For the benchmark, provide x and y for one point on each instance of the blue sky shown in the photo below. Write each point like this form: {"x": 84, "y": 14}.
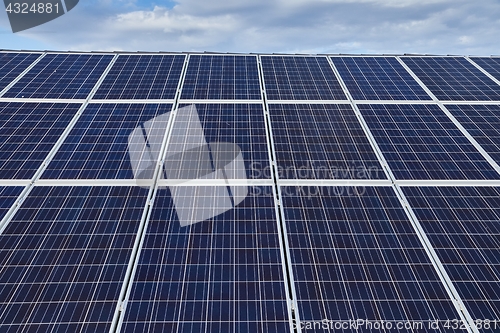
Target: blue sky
{"x": 281, "y": 26}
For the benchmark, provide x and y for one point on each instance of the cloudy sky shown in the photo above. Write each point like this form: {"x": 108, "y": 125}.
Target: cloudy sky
{"x": 267, "y": 26}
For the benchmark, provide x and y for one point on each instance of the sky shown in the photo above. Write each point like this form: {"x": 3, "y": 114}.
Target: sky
{"x": 462, "y": 27}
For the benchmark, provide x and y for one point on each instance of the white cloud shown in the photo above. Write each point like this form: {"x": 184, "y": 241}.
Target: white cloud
{"x": 161, "y": 19}
{"x": 387, "y": 3}
{"x": 465, "y": 40}
{"x": 312, "y": 26}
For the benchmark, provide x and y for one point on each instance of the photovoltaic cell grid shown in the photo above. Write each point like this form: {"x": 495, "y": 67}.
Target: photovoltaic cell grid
{"x": 300, "y": 78}
{"x": 463, "y": 225}
{"x": 98, "y": 145}
{"x": 355, "y": 255}
{"x": 221, "y": 77}
{"x": 241, "y": 124}
{"x": 321, "y": 142}
{"x": 8, "y": 196}
{"x": 421, "y": 142}
{"x": 142, "y": 77}
{"x": 483, "y": 123}
{"x": 67, "y": 76}
{"x": 28, "y": 132}
{"x": 64, "y": 257}
{"x": 222, "y": 275}
{"x": 491, "y": 65}
{"x": 12, "y": 65}
{"x": 453, "y": 78}
{"x": 378, "y": 78}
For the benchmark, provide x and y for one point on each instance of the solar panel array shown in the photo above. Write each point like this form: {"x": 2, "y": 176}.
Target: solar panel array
{"x": 97, "y": 146}
{"x": 421, "y": 142}
{"x": 463, "y": 227}
{"x": 64, "y": 256}
{"x": 243, "y": 124}
{"x": 222, "y": 276}
{"x": 13, "y": 64}
{"x": 222, "y": 77}
{"x": 370, "y": 203}
{"x": 491, "y": 65}
{"x": 378, "y": 78}
{"x": 453, "y": 78}
{"x": 482, "y": 122}
{"x": 142, "y": 77}
{"x": 300, "y": 78}
{"x": 61, "y": 76}
{"x": 321, "y": 141}
{"x": 29, "y": 132}
{"x": 355, "y": 254}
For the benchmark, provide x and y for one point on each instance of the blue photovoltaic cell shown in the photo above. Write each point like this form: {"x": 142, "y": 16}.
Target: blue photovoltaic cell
{"x": 421, "y": 142}
{"x": 321, "y": 142}
{"x": 142, "y": 77}
{"x": 300, "y": 78}
{"x": 463, "y": 226}
{"x": 224, "y": 274}
{"x": 8, "y": 196}
{"x": 355, "y": 255}
{"x": 241, "y": 124}
{"x": 12, "y": 65}
{"x": 64, "y": 256}
{"x": 491, "y": 65}
{"x": 28, "y": 132}
{"x": 453, "y": 78}
{"x": 222, "y": 77}
{"x": 353, "y": 252}
{"x": 98, "y": 145}
{"x": 483, "y": 123}
{"x": 66, "y": 76}
{"x": 378, "y": 78}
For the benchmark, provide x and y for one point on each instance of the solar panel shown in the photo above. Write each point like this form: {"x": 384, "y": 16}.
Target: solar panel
{"x": 28, "y": 132}
{"x": 491, "y": 65}
{"x": 98, "y": 145}
{"x": 215, "y": 255}
{"x": 378, "y": 78}
{"x": 321, "y": 142}
{"x": 483, "y": 123}
{"x": 355, "y": 255}
{"x": 67, "y": 76}
{"x": 8, "y": 195}
{"x": 421, "y": 142}
{"x": 221, "y": 77}
{"x": 142, "y": 77}
{"x": 12, "y": 65}
{"x": 221, "y": 275}
{"x": 453, "y": 78}
{"x": 241, "y": 124}
{"x": 64, "y": 256}
{"x": 300, "y": 78}
{"x": 462, "y": 224}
